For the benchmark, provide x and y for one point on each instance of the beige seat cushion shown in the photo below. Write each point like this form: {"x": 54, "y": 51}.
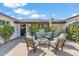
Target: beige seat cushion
{"x": 54, "y": 42}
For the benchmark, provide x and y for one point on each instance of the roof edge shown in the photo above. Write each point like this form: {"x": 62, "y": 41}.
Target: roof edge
{"x": 72, "y": 17}
{"x": 7, "y": 15}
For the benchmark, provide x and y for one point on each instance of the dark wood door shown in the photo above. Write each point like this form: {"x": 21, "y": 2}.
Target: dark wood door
{"x": 23, "y": 29}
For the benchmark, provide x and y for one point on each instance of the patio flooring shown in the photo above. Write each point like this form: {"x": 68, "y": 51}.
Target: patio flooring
{"x": 17, "y": 47}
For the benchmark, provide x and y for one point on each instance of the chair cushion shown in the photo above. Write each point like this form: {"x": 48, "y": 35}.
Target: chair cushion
{"x": 40, "y": 34}
{"x": 61, "y": 39}
{"x": 28, "y": 33}
{"x": 48, "y": 36}
{"x": 33, "y": 38}
{"x": 63, "y": 36}
{"x": 49, "y": 33}
{"x": 36, "y": 43}
{"x": 28, "y": 36}
{"x": 54, "y": 42}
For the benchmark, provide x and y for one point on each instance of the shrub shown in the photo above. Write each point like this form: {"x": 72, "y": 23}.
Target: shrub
{"x": 33, "y": 28}
{"x": 6, "y": 31}
{"x": 73, "y": 32}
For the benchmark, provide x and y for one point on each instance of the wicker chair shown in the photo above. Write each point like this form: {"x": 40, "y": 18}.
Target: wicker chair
{"x": 31, "y": 42}
{"x": 54, "y": 44}
{"x": 62, "y": 41}
{"x": 57, "y": 43}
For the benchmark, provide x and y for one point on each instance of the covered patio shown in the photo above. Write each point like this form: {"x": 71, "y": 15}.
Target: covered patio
{"x": 17, "y": 47}
{"x": 32, "y": 25}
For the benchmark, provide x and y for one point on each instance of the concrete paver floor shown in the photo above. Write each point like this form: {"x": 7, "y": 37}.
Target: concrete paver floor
{"x": 17, "y": 47}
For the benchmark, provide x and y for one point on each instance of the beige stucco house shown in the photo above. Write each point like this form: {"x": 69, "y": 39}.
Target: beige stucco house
{"x": 72, "y": 19}
{"x": 7, "y": 20}
{"x": 20, "y": 24}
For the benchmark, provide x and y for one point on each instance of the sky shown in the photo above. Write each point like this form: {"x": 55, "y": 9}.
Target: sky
{"x": 58, "y": 11}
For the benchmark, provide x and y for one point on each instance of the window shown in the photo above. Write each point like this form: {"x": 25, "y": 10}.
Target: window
{"x": 7, "y": 23}
{"x": 2, "y": 22}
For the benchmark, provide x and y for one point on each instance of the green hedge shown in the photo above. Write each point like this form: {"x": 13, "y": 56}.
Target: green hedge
{"x": 6, "y": 31}
{"x": 73, "y": 32}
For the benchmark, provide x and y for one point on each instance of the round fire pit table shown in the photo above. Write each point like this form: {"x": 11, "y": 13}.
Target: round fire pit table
{"x": 43, "y": 41}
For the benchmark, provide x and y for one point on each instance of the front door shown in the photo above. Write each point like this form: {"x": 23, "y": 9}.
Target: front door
{"x": 23, "y": 29}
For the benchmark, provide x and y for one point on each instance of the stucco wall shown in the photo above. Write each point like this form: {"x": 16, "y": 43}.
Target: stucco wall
{"x": 58, "y": 26}
{"x": 72, "y": 20}
{"x": 17, "y": 30}
{"x": 5, "y": 18}
{"x": 16, "y": 26}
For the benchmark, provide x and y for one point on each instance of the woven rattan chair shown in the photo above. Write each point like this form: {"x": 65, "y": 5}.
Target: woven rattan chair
{"x": 58, "y": 43}
{"x": 31, "y": 42}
